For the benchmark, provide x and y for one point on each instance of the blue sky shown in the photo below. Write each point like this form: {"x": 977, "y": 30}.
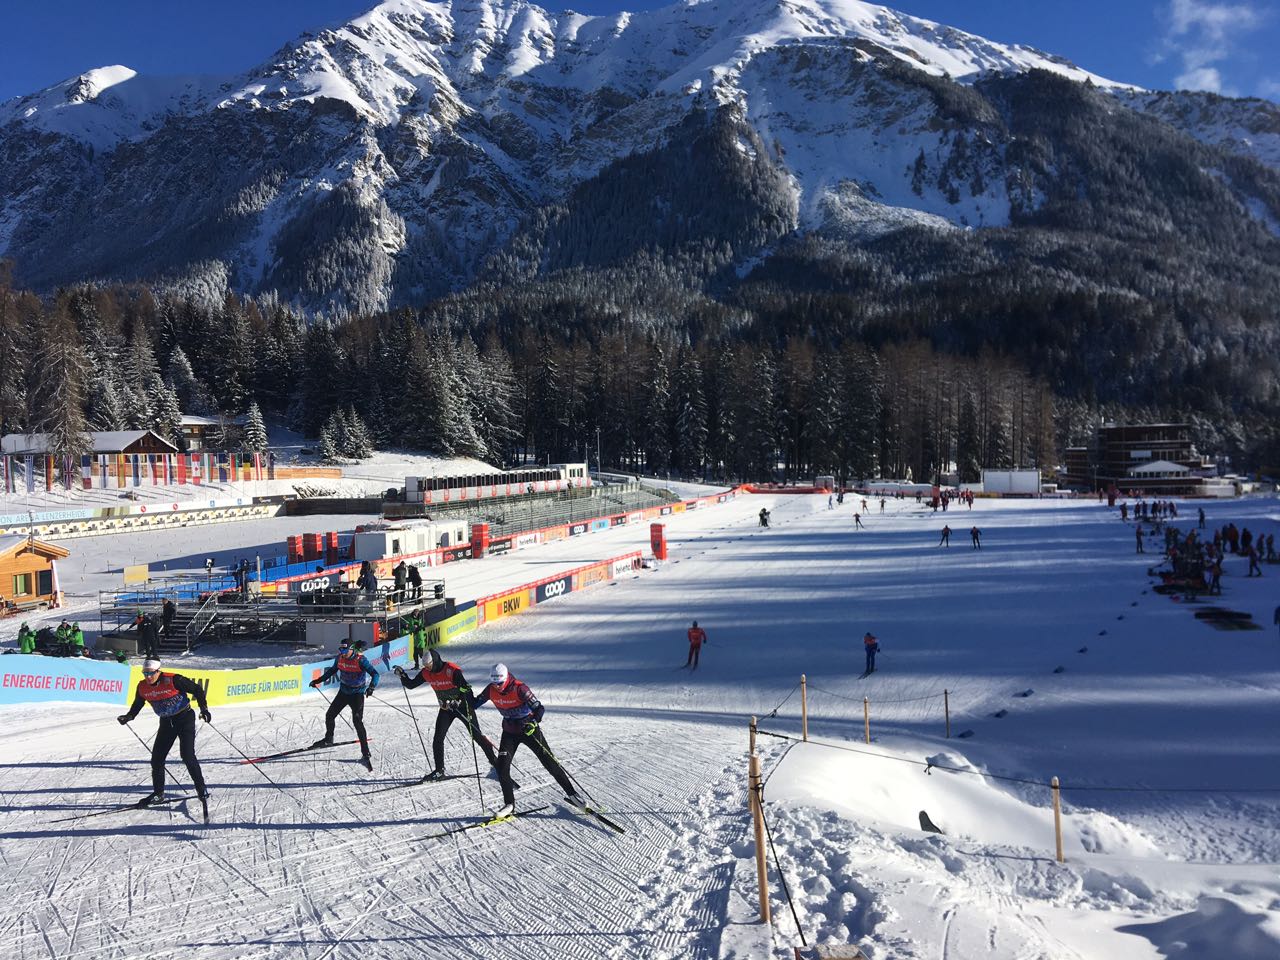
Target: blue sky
{"x": 1228, "y": 46}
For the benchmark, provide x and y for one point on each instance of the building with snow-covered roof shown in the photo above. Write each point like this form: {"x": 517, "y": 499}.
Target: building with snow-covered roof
{"x": 101, "y": 442}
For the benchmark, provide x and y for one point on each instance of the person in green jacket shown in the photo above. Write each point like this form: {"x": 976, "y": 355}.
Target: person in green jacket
{"x": 77, "y": 640}
{"x": 26, "y": 639}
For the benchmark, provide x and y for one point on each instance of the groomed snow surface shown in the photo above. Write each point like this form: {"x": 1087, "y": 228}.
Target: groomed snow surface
{"x": 1147, "y": 697}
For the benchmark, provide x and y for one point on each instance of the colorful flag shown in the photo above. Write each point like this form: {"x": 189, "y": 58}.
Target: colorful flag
{"x": 29, "y": 462}
{"x": 182, "y": 469}
{"x": 104, "y": 470}
{"x": 48, "y": 473}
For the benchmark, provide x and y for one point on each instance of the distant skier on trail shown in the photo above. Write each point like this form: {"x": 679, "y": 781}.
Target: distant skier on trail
{"x": 457, "y": 702}
{"x": 872, "y": 646}
{"x": 170, "y": 697}
{"x": 1138, "y": 533}
{"x": 857, "y": 522}
{"x": 764, "y": 517}
{"x": 976, "y": 536}
{"x": 351, "y": 667}
{"x": 697, "y": 637}
{"x": 522, "y": 714}
{"x": 946, "y": 537}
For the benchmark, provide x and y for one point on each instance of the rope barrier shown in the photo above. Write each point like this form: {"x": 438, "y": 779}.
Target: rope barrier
{"x": 774, "y": 711}
{"x": 829, "y": 693}
{"x": 929, "y": 767}
{"x": 777, "y": 862}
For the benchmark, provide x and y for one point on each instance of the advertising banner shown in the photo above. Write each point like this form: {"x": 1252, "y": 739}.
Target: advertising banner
{"x": 618, "y": 521}
{"x": 601, "y": 524}
{"x": 453, "y": 627}
{"x": 382, "y": 657}
{"x": 553, "y": 589}
{"x": 224, "y": 687}
{"x": 500, "y": 546}
{"x": 554, "y": 533}
{"x": 456, "y": 553}
{"x": 527, "y": 540}
{"x": 506, "y": 605}
{"x": 577, "y": 529}
{"x": 33, "y": 679}
{"x": 597, "y": 574}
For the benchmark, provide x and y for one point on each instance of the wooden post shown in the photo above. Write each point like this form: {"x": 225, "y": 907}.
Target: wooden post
{"x": 1057, "y": 817}
{"x": 804, "y": 708}
{"x": 946, "y": 706}
{"x": 757, "y": 818}
{"x": 866, "y": 720}
{"x": 752, "y": 751}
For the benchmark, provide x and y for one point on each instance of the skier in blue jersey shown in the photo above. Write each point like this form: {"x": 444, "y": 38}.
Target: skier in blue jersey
{"x": 350, "y": 666}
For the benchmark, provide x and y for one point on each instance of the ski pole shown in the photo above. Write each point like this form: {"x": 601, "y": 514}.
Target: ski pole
{"x": 342, "y": 715}
{"x": 387, "y": 703}
{"x": 472, "y": 730}
{"x": 415, "y": 723}
{"x": 147, "y": 747}
{"x": 250, "y": 761}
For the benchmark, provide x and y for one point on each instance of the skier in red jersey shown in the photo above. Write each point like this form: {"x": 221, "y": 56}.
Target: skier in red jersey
{"x": 521, "y": 723}
{"x": 457, "y": 702}
{"x": 170, "y": 697}
{"x": 697, "y": 637}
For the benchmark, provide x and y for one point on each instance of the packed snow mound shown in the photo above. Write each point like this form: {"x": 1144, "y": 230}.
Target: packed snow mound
{"x": 874, "y": 786}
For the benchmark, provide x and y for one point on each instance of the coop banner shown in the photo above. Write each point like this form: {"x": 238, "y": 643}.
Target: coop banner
{"x": 32, "y": 679}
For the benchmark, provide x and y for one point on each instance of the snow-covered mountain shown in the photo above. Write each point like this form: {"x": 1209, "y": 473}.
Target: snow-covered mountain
{"x": 405, "y": 153}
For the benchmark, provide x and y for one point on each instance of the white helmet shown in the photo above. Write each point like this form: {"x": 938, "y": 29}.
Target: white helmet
{"x": 498, "y": 675}
{"x": 150, "y": 666}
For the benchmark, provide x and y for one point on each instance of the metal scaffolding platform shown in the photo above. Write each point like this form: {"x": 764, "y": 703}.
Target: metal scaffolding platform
{"x": 201, "y": 615}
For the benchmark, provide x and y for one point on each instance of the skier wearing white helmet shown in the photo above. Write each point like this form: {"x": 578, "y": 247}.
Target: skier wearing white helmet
{"x": 521, "y": 723}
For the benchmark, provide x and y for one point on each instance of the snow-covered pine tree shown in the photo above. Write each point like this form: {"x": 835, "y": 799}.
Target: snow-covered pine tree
{"x": 193, "y": 396}
{"x": 498, "y": 419}
{"x": 657, "y": 437}
{"x": 106, "y": 406}
{"x": 166, "y": 413}
{"x": 328, "y": 446}
{"x": 354, "y": 440}
{"x": 689, "y": 442}
{"x": 255, "y": 430}
{"x": 135, "y": 407}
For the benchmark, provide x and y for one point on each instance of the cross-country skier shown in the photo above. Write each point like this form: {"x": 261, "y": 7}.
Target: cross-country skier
{"x": 1138, "y": 533}
{"x": 976, "y": 536}
{"x": 946, "y": 537}
{"x": 170, "y": 697}
{"x": 457, "y": 701}
{"x": 872, "y": 646}
{"x": 521, "y": 719}
{"x": 351, "y": 666}
{"x": 697, "y": 637}
{"x": 857, "y": 521}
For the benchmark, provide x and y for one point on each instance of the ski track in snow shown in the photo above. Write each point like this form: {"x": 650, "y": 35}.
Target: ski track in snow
{"x": 306, "y": 867}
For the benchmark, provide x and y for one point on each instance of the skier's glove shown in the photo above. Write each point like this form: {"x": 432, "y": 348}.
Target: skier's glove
{"x": 124, "y": 718}
{"x": 315, "y": 682}
{"x": 399, "y": 671}
{"x": 531, "y": 728}
{"x": 206, "y": 716}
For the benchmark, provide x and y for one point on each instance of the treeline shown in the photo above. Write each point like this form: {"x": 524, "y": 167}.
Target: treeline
{"x": 632, "y": 395}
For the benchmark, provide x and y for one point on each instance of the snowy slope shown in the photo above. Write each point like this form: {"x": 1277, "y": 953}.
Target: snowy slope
{"x": 1149, "y": 698}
